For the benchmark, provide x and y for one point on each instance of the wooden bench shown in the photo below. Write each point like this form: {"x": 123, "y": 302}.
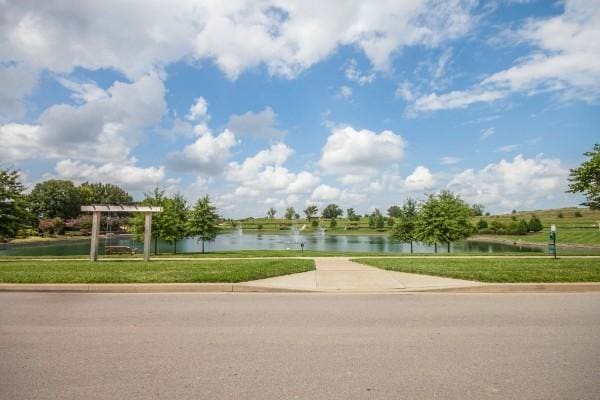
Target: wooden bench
{"x": 118, "y": 250}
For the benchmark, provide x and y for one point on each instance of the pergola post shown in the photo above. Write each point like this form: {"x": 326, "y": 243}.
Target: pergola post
{"x": 147, "y": 234}
{"x": 95, "y": 234}
{"x": 97, "y": 209}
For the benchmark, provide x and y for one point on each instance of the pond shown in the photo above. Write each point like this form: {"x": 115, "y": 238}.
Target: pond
{"x": 252, "y": 241}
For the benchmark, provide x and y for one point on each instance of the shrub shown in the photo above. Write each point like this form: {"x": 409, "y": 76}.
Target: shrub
{"x": 259, "y": 226}
{"x": 560, "y": 215}
{"x": 51, "y": 226}
{"x": 497, "y": 227}
{"x": 485, "y": 231}
{"x": 314, "y": 223}
{"x": 522, "y": 227}
{"x": 482, "y": 224}
{"x": 333, "y": 223}
{"x": 578, "y": 214}
{"x": 535, "y": 224}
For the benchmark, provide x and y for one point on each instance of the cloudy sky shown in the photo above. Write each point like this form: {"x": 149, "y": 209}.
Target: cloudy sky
{"x": 289, "y": 102}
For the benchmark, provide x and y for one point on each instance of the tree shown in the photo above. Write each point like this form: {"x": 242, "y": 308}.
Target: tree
{"x": 271, "y": 213}
{"x": 352, "y": 216}
{"x": 477, "y": 210}
{"x": 103, "y": 193}
{"x": 332, "y": 211}
{"x": 394, "y": 211}
{"x": 444, "y": 218}
{"x": 289, "y": 213}
{"x": 155, "y": 198}
{"x": 404, "y": 228}
{"x": 522, "y": 227}
{"x": 203, "y": 221}
{"x": 311, "y": 211}
{"x": 14, "y": 210}
{"x": 586, "y": 179}
{"x": 535, "y": 224}
{"x": 174, "y": 220}
{"x": 333, "y": 223}
{"x": 55, "y": 198}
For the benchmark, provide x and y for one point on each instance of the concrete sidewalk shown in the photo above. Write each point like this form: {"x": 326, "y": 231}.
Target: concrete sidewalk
{"x": 338, "y": 274}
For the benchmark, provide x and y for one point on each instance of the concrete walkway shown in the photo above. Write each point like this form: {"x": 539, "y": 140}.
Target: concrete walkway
{"x": 339, "y": 274}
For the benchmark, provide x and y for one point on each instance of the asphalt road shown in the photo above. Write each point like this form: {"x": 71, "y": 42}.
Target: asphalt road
{"x": 299, "y": 346}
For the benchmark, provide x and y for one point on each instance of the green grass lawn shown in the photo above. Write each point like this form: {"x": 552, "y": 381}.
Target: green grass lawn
{"x": 564, "y": 236}
{"x": 496, "y": 270}
{"x": 163, "y": 271}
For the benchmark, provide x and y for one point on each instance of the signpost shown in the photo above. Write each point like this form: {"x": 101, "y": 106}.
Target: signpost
{"x": 552, "y": 243}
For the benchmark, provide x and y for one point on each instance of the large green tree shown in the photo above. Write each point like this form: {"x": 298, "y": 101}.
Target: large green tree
{"x": 444, "y": 218}
{"x": 174, "y": 220}
{"x": 311, "y": 211}
{"x": 103, "y": 193}
{"x": 332, "y": 211}
{"x": 394, "y": 211}
{"x": 55, "y": 198}
{"x": 203, "y": 221}
{"x": 14, "y": 209}
{"x": 157, "y": 198}
{"x": 586, "y": 179}
{"x": 405, "y": 226}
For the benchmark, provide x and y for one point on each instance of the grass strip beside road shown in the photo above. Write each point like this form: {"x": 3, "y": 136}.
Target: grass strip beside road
{"x": 225, "y": 271}
{"x": 496, "y": 270}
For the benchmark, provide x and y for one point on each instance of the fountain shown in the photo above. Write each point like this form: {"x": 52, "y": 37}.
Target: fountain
{"x": 239, "y": 229}
{"x": 296, "y": 234}
{"x": 321, "y": 231}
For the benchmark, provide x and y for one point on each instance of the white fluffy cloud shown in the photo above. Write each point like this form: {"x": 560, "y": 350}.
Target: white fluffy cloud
{"x": 566, "y": 60}
{"x": 356, "y": 155}
{"x": 198, "y": 110}
{"x": 208, "y": 155}
{"x": 509, "y": 184}
{"x": 420, "y": 179}
{"x": 262, "y": 124}
{"x": 105, "y": 127}
{"x": 265, "y": 173}
{"x": 127, "y": 175}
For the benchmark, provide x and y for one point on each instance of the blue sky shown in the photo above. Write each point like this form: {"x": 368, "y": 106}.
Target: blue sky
{"x": 278, "y": 103}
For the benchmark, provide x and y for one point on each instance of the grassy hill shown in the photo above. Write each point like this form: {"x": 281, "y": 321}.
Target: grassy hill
{"x": 574, "y": 225}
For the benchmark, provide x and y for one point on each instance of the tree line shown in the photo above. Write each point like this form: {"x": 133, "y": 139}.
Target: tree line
{"x": 53, "y": 206}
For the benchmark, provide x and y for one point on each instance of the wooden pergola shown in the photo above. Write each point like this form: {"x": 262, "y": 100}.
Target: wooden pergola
{"x": 96, "y": 210}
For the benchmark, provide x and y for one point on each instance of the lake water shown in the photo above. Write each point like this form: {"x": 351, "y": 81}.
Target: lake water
{"x": 252, "y": 241}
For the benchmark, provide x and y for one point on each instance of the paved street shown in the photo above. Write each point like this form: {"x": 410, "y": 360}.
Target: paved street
{"x": 305, "y": 346}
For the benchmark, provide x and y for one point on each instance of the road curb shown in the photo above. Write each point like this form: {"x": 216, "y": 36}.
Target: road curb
{"x": 243, "y": 288}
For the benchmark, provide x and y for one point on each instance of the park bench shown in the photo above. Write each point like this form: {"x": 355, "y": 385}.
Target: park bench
{"x": 118, "y": 250}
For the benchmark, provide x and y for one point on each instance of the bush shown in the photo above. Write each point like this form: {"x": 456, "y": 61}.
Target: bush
{"x": 332, "y": 223}
{"x": 53, "y": 226}
{"x": 535, "y": 224}
{"x": 259, "y": 226}
{"x": 314, "y": 223}
{"x": 560, "y": 215}
{"x": 482, "y": 224}
{"x": 485, "y": 231}
{"x": 497, "y": 227}
{"x": 522, "y": 227}
{"x": 578, "y": 214}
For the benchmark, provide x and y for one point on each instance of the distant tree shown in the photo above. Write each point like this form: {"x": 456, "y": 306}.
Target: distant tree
{"x": 444, "y": 218}
{"x": 203, "y": 221}
{"x": 586, "y": 179}
{"x": 578, "y": 214}
{"x": 389, "y": 221}
{"x": 271, "y": 213}
{"x": 332, "y": 211}
{"x": 404, "y": 228}
{"x": 333, "y": 223}
{"x": 487, "y": 214}
{"x": 55, "y": 198}
{"x": 351, "y": 214}
{"x": 514, "y": 212}
{"x": 482, "y": 224}
{"x": 289, "y": 213}
{"x": 535, "y": 224}
{"x": 560, "y": 215}
{"x": 311, "y": 211}
{"x": 497, "y": 227}
{"x": 174, "y": 220}
{"x": 103, "y": 193}
{"x": 14, "y": 209}
{"x": 522, "y": 227}
{"x": 156, "y": 197}
{"x": 394, "y": 211}
{"x": 296, "y": 216}
{"x": 477, "y": 210}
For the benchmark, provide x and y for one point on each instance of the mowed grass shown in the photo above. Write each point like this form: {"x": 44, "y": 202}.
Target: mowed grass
{"x": 565, "y": 236}
{"x": 229, "y": 271}
{"x": 497, "y": 270}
